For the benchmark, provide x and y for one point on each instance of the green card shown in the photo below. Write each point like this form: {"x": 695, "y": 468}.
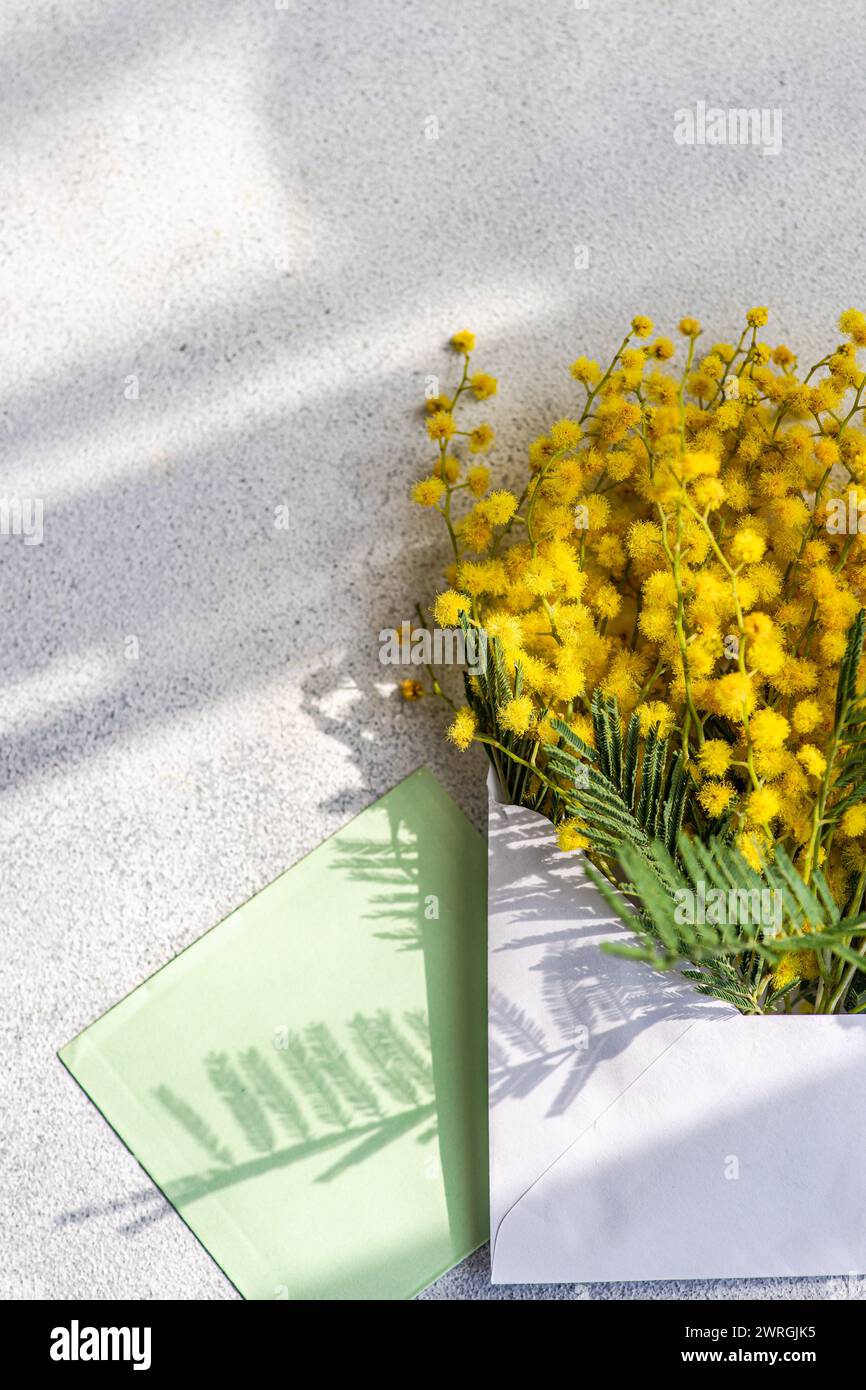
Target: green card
{"x": 307, "y": 1082}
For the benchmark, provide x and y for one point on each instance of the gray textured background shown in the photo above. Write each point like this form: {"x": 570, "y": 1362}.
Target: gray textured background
{"x": 236, "y": 203}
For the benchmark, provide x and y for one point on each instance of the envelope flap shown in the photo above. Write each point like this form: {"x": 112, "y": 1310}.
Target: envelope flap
{"x": 570, "y": 1027}
{"x": 726, "y": 1158}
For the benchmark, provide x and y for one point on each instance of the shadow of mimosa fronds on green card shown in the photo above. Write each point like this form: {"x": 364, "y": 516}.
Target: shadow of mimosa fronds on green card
{"x": 371, "y": 1090}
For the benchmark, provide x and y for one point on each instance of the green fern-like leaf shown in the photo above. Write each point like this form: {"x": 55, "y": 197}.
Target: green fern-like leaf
{"x": 742, "y": 945}
{"x": 570, "y": 738}
{"x": 847, "y": 754}
{"x": 626, "y": 792}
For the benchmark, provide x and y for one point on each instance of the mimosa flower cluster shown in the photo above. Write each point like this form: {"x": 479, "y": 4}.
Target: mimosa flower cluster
{"x": 681, "y": 544}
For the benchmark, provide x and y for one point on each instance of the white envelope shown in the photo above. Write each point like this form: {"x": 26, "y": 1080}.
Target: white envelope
{"x": 639, "y": 1130}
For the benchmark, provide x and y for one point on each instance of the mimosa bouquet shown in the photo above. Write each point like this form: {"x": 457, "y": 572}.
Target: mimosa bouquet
{"x": 672, "y": 616}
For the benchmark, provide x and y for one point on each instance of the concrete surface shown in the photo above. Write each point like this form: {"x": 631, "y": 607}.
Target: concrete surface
{"x": 229, "y": 254}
